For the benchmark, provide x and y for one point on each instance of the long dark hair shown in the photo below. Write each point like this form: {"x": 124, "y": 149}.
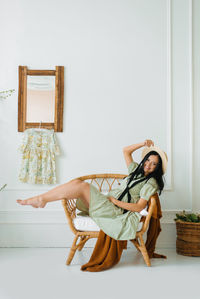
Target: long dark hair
{"x": 157, "y": 174}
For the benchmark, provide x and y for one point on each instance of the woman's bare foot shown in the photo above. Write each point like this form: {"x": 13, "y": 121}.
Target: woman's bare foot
{"x": 35, "y": 202}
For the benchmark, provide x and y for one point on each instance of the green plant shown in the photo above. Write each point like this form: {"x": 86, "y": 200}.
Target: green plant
{"x": 6, "y": 93}
{"x": 188, "y": 217}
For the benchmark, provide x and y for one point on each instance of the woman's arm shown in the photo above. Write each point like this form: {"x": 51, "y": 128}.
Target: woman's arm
{"x": 133, "y": 207}
{"x": 128, "y": 150}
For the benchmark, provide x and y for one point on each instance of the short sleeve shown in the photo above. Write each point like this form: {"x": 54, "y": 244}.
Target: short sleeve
{"x": 132, "y": 166}
{"x": 150, "y": 188}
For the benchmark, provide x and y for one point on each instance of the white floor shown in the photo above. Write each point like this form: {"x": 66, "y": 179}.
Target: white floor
{"x": 41, "y": 273}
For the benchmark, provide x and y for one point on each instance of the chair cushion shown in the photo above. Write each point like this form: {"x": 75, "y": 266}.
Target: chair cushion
{"x": 85, "y": 223}
{"x": 144, "y": 212}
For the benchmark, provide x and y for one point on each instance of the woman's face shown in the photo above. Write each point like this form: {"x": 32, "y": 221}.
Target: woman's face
{"x": 150, "y": 164}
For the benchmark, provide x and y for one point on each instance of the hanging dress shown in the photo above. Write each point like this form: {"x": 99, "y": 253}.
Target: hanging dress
{"x": 38, "y": 149}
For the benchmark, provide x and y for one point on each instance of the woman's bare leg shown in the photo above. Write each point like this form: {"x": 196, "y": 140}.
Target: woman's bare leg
{"x": 73, "y": 189}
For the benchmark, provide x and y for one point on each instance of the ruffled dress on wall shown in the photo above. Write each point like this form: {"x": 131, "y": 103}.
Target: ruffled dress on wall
{"x": 38, "y": 149}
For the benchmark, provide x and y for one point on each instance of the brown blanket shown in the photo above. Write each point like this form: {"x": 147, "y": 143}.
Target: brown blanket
{"x": 106, "y": 254}
{"x": 107, "y": 251}
{"x": 154, "y": 230}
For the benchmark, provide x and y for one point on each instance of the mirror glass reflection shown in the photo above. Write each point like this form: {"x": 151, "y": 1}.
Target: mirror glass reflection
{"x": 40, "y": 99}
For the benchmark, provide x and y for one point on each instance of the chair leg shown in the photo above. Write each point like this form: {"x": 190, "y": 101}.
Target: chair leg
{"x": 144, "y": 252}
{"x": 82, "y": 242}
{"x": 72, "y": 251}
{"x": 136, "y": 243}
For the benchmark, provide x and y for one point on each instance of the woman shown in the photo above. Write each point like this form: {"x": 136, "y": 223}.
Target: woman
{"x": 116, "y": 213}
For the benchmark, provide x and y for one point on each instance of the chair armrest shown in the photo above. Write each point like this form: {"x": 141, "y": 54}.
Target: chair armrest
{"x": 152, "y": 205}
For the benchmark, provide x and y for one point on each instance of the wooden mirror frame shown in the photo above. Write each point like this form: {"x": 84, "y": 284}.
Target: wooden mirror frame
{"x": 57, "y": 125}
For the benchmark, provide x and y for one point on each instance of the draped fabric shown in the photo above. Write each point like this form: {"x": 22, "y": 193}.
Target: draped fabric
{"x": 106, "y": 254}
{"x": 154, "y": 230}
{"x": 108, "y": 251}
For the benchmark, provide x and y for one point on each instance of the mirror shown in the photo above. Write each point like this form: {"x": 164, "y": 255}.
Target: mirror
{"x": 40, "y": 100}
{"x": 40, "y": 93}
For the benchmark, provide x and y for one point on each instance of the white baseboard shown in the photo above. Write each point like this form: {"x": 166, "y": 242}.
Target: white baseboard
{"x": 49, "y": 228}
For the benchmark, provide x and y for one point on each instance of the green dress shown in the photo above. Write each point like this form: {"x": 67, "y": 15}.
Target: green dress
{"x": 109, "y": 217}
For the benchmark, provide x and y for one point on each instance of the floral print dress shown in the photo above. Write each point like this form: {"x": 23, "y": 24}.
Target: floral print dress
{"x": 38, "y": 149}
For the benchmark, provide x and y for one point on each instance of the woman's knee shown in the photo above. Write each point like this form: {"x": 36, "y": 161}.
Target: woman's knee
{"x": 76, "y": 181}
{"x": 82, "y": 186}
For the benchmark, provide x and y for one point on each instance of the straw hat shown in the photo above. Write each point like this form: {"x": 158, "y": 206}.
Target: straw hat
{"x": 161, "y": 153}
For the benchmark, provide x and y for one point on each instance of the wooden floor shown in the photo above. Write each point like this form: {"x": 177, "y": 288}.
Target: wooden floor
{"x": 40, "y": 273}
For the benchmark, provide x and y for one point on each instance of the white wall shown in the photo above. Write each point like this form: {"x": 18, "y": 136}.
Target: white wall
{"x": 196, "y": 107}
{"x": 128, "y": 77}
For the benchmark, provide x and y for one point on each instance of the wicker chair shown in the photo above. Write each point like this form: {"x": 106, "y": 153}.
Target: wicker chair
{"x": 104, "y": 182}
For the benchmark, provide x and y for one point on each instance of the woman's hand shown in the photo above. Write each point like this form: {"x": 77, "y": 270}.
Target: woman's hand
{"x": 128, "y": 150}
{"x": 133, "y": 207}
{"x": 148, "y": 143}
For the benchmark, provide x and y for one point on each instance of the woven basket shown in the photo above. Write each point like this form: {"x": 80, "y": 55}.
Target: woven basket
{"x": 188, "y": 238}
